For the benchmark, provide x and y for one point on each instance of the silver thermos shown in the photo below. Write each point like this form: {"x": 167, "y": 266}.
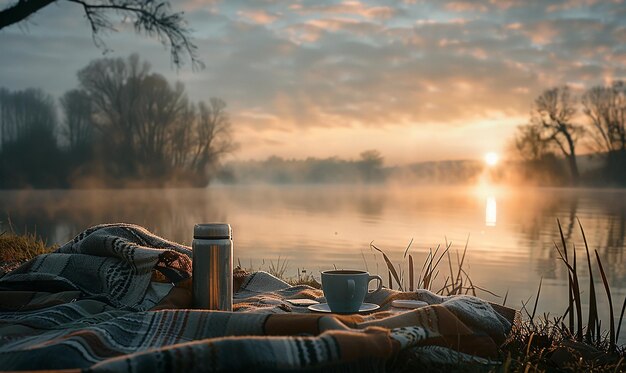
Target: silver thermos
{"x": 213, "y": 267}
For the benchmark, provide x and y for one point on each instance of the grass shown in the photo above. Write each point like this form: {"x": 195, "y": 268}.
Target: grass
{"x": 304, "y": 278}
{"x": 565, "y": 343}
{"x": 571, "y": 342}
{"x": 279, "y": 269}
{"x": 457, "y": 281}
{"x": 16, "y": 249}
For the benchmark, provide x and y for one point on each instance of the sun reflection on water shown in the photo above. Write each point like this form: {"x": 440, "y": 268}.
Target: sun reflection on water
{"x": 491, "y": 211}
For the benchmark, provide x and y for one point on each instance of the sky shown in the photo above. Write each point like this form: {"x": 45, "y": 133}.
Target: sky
{"x": 418, "y": 80}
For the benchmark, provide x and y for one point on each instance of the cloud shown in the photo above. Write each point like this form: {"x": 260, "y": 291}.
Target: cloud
{"x": 347, "y": 8}
{"x": 258, "y": 16}
{"x": 194, "y": 5}
{"x": 466, "y": 6}
{"x": 572, "y": 4}
{"x": 542, "y": 33}
{"x": 287, "y": 68}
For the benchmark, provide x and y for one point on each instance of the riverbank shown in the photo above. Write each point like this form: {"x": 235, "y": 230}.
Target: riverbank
{"x": 537, "y": 342}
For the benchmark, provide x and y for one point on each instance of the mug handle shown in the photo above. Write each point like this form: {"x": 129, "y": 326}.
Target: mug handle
{"x": 380, "y": 283}
{"x": 351, "y": 287}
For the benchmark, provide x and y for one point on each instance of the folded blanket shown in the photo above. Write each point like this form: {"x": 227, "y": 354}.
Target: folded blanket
{"x": 116, "y": 299}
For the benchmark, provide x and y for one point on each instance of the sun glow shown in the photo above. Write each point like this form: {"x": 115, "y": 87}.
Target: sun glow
{"x": 491, "y": 159}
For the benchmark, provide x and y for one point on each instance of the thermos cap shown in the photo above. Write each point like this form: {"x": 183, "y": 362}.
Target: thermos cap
{"x": 215, "y": 231}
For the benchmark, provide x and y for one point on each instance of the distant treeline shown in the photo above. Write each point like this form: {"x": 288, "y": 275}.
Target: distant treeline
{"x": 367, "y": 168}
{"x": 122, "y": 126}
{"x": 549, "y": 171}
{"x": 275, "y": 170}
{"x": 561, "y": 124}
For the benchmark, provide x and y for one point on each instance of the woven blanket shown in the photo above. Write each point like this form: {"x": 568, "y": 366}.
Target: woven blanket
{"x": 117, "y": 299}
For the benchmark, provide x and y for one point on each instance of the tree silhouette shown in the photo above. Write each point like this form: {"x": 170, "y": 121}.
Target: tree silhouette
{"x": 158, "y": 111}
{"x": 539, "y": 162}
{"x": 113, "y": 85}
{"x": 77, "y": 125}
{"x": 529, "y": 144}
{"x": 28, "y": 143}
{"x": 123, "y": 125}
{"x": 152, "y": 18}
{"x": 370, "y": 163}
{"x": 149, "y": 126}
{"x": 213, "y": 135}
{"x": 26, "y": 114}
{"x": 553, "y": 115}
{"x": 605, "y": 107}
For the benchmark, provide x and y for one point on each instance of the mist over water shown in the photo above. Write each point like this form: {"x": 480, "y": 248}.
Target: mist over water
{"x": 511, "y": 231}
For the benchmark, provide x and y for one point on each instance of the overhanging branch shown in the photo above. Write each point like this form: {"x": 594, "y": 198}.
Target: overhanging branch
{"x": 20, "y": 11}
{"x": 153, "y": 18}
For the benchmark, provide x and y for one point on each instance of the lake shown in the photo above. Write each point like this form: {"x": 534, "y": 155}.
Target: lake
{"x": 511, "y": 231}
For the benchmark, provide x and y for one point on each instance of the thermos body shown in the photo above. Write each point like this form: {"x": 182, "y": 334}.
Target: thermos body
{"x": 213, "y": 267}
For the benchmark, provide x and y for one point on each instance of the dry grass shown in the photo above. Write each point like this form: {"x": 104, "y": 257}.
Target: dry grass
{"x": 279, "y": 269}
{"x": 537, "y": 343}
{"x": 565, "y": 343}
{"x": 304, "y": 278}
{"x": 16, "y": 249}
{"x": 456, "y": 281}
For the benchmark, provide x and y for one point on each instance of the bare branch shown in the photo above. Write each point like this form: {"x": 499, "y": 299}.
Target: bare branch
{"x": 20, "y": 11}
{"x": 152, "y": 18}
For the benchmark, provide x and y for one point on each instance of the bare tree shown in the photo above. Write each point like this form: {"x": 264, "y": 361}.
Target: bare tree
{"x": 27, "y": 113}
{"x": 29, "y": 154}
{"x": 78, "y": 125}
{"x": 529, "y": 144}
{"x": 152, "y": 18}
{"x": 606, "y": 109}
{"x": 150, "y": 127}
{"x": 114, "y": 86}
{"x": 158, "y": 111}
{"x": 213, "y": 135}
{"x": 181, "y": 137}
{"x": 553, "y": 115}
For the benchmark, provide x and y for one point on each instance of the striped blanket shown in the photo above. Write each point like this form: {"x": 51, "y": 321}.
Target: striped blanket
{"x": 116, "y": 299}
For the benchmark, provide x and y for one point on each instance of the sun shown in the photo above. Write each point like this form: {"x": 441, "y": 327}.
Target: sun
{"x": 491, "y": 159}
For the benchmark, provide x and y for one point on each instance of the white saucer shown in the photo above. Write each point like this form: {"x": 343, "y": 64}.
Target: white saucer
{"x": 323, "y": 307}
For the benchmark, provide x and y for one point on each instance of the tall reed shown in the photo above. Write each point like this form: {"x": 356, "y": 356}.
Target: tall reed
{"x": 456, "y": 282}
{"x": 592, "y": 331}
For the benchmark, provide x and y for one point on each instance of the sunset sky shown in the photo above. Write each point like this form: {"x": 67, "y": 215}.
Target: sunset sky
{"x": 417, "y": 80}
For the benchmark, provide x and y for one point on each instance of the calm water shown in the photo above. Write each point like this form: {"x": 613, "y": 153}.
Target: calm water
{"x": 511, "y": 232}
